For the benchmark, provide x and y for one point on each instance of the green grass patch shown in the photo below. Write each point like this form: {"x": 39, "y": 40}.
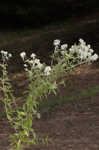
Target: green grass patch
{"x": 88, "y": 93}
{"x": 81, "y": 94}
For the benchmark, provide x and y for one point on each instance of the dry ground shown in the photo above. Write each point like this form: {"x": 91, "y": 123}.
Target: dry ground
{"x": 74, "y": 125}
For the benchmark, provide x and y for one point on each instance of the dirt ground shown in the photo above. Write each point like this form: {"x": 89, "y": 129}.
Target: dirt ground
{"x": 72, "y": 126}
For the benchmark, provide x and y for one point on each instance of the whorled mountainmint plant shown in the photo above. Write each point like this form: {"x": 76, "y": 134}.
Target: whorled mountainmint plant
{"x": 42, "y": 81}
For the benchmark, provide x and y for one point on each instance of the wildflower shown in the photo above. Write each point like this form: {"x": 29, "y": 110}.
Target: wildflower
{"x": 64, "y": 46}
{"x": 72, "y": 50}
{"x": 39, "y": 65}
{"x": 47, "y": 70}
{"x": 86, "y": 48}
{"x": 23, "y": 55}
{"x": 4, "y": 53}
{"x": 89, "y": 54}
{"x": 36, "y": 61}
{"x": 63, "y": 53}
{"x": 33, "y": 55}
{"x": 31, "y": 62}
{"x": 94, "y": 57}
{"x": 10, "y": 55}
{"x": 84, "y": 54}
{"x": 89, "y": 46}
{"x": 26, "y": 69}
{"x": 56, "y": 42}
{"x": 91, "y": 50}
{"x": 25, "y": 65}
{"x": 79, "y": 51}
{"x": 82, "y": 42}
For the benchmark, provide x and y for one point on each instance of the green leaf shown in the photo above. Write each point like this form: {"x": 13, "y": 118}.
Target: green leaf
{"x": 38, "y": 115}
{"x": 53, "y": 86}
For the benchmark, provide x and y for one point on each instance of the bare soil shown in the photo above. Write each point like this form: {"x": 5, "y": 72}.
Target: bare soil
{"x": 74, "y": 125}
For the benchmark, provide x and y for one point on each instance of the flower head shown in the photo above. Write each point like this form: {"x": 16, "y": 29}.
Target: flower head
{"x": 47, "y": 70}
{"x": 94, "y": 57}
{"x": 6, "y": 55}
{"x": 56, "y": 42}
{"x": 91, "y": 50}
{"x": 10, "y": 55}
{"x": 64, "y": 46}
{"x": 82, "y": 42}
{"x": 39, "y": 65}
{"x": 36, "y": 61}
{"x": 63, "y": 53}
{"x": 33, "y": 55}
{"x": 23, "y": 55}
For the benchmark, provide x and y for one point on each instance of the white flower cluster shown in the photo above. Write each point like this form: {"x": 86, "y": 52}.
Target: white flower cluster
{"x": 59, "y": 48}
{"x": 64, "y": 49}
{"x": 23, "y": 55}
{"x": 47, "y": 70}
{"x": 83, "y": 51}
{"x": 35, "y": 63}
{"x": 56, "y": 42}
{"x": 5, "y": 54}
